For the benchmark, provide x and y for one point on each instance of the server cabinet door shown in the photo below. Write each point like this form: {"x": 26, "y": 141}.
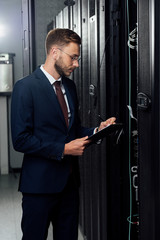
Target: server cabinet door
{"x": 84, "y": 62}
{"x": 93, "y": 219}
{"x": 66, "y": 17}
{"x": 93, "y": 69}
{"x": 76, "y": 26}
{"x": 63, "y": 18}
{"x": 76, "y": 17}
{"x": 85, "y": 223}
{"x": 148, "y": 117}
{"x": 28, "y": 35}
{"x": 103, "y": 41}
{"x": 59, "y": 20}
{"x": 95, "y": 203}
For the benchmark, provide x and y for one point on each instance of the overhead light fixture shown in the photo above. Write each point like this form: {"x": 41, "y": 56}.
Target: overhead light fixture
{"x": 69, "y": 2}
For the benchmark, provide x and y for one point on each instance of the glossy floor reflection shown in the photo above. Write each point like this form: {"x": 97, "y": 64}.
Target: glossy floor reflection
{"x": 10, "y": 209}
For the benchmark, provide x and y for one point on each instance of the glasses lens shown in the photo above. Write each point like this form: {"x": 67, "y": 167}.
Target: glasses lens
{"x": 76, "y": 59}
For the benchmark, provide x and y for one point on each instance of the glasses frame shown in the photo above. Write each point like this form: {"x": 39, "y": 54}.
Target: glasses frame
{"x": 72, "y": 58}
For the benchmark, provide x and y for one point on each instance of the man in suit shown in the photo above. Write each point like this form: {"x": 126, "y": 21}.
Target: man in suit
{"x": 50, "y": 140}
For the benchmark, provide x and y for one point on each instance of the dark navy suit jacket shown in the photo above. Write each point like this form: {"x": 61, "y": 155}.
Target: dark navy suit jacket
{"x": 39, "y": 131}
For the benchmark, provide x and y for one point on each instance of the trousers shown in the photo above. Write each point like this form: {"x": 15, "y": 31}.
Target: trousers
{"x": 59, "y": 209}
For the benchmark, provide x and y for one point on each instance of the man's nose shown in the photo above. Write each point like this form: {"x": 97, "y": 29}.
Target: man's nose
{"x": 76, "y": 63}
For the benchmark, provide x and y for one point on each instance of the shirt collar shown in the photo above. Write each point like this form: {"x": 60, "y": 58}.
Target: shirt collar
{"x": 49, "y": 77}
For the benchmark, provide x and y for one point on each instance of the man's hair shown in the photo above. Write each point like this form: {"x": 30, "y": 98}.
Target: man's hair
{"x": 61, "y": 37}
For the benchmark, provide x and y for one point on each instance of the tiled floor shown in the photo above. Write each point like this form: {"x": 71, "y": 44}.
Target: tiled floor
{"x": 10, "y": 209}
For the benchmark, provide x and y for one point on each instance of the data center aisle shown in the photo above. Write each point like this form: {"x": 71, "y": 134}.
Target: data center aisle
{"x": 10, "y": 209}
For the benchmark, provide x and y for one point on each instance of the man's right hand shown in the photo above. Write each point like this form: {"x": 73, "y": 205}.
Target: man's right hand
{"x": 76, "y": 147}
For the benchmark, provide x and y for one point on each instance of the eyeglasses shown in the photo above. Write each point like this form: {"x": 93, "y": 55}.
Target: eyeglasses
{"x": 72, "y": 58}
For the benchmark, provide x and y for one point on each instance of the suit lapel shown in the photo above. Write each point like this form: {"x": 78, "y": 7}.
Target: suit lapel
{"x": 50, "y": 93}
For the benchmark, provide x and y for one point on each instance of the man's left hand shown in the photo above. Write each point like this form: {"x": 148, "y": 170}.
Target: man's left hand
{"x": 106, "y": 123}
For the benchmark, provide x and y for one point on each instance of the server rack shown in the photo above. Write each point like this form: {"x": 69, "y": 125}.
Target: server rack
{"x": 99, "y": 91}
{"x": 148, "y": 117}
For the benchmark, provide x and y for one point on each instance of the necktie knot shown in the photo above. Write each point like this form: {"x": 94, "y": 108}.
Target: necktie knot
{"x": 57, "y": 84}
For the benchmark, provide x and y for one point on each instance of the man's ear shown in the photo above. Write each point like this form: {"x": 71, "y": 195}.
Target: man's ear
{"x": 54, "y": 52}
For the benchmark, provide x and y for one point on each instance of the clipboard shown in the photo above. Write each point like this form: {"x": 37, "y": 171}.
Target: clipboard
{"x": 105, "y": 132}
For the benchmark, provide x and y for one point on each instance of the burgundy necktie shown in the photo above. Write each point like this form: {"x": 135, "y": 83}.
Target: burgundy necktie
{"x": 61, "y": 100}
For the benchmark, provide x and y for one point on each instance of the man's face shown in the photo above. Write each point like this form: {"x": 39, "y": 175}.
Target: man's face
{"x": 67, "y": 60}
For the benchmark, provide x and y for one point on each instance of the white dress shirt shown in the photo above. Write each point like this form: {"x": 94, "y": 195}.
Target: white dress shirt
{"x": 52, "y": 80}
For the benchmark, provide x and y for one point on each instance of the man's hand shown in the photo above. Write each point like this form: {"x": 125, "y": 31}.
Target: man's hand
{"x": 107, "y": 123}
{"x": 76, "y": 147}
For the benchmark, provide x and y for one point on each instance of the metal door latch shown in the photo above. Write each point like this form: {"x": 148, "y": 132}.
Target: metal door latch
{"x": 143, "y": 101}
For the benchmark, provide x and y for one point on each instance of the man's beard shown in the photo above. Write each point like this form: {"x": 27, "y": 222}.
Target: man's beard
{"x": 59, "y": 70}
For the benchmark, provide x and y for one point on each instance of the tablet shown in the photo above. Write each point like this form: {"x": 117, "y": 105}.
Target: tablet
{"x": 105, "y": 132}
